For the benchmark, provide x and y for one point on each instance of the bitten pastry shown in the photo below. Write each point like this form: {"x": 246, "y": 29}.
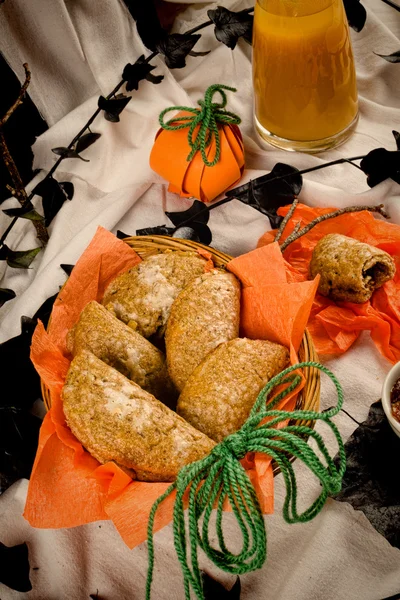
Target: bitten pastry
{"x": 124, "y": 349}
{"x": 219, "y": 395}
{"x": 350, "y": 270}
{"x": 205, "y": 314}
{"x": 142, "y": 297}
{"x": 116, "y": 420}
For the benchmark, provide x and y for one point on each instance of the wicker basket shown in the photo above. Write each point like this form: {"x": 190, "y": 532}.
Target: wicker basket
{"x": 308, "y": 398}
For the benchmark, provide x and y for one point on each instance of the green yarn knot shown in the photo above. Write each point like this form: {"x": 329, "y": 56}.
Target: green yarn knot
{"x": 207, "y": 484}
{"x": 207, "y": 117}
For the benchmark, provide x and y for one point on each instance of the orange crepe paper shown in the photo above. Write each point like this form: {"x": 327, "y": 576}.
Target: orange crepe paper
{"x": 68, "y": 487}
{"x": 169, "y": 155}
{"x": 335, "y": 326}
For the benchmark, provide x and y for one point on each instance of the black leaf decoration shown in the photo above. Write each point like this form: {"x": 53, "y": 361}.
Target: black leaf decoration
{"x": 158, "y": 230}
{"x": 176, "y": 47}
{"x": 14, "y": 567}
{"x": 355, "y": 13}
{"x": 213, "y": 590}
{"x": 198, "y": 232}
{"x": 230, "y": 26}
{"x": 67, "y": 269}
{"x": 193, "y": 212}
{"x": 113, "y": 108}
{"x": 371, "y": 483}
{"x": 121, "y": 235}
{"x": 53, "y": 194}
{"x": 134, "y": 73}
{"x": 5, "y": 295}
{"x": 24, "y": 212}
{"x": 84, "y": 142}
{"x": 20, "y": 259}
{"x": 267, "y": 193}
{"x": 381, "y": 164}
{"x": 392, "y": 58}
{"x": 19, "y": 429}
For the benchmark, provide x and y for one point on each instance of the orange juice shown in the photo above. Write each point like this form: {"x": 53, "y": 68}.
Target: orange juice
{"x": 303, "y": 73}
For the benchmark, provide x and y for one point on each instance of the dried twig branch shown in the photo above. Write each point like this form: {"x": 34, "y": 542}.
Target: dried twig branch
{"x": 286, "y": 219}
{"x": 20, "y": 98}
{"x": 349, "y": 209}
{"x": 18, "y": 188}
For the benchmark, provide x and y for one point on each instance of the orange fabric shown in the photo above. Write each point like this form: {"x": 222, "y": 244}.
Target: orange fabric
{"x": 335, "y": 326}
{"x": 68, "y": 487}
{"x": 169, "y": 155}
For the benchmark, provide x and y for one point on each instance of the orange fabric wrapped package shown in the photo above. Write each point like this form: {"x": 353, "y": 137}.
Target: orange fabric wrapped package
{"x": 335, "y": 326}
{"x": 68, "y": 487}
{"x": 177, "y": 156}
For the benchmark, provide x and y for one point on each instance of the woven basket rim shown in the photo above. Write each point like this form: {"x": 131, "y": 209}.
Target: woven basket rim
{"x": 308, "y": 398}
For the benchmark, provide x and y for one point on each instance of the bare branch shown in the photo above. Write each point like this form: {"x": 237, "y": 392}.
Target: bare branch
{"x": 286, "y": 219}
{"x": 20, "y": 98}
{"x": 349, "y": 209}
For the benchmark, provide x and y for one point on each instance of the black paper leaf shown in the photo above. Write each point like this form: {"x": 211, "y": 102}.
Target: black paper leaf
{"x": 121, "y": 235}
{"x": 67, "y": 269}
{"x": 356, "y": 14}
{"x": 84, "y": 142}
{"x": 268, "y": 192}
{"x": 230, "y": 26}
{"x": 14, "y": 567}
{"x": 134, "y": 73}
{"x": 24, "y": 212}
{"x": 371, "y": 483}
{"x": 198, "y": 232}
{"x": 67, "y": 153}
{"x": 193, "y": 212}
{"x": 113, "y": 107}
{"x": 381, "y": 164}
{"x": 213, "y": 590}
{"x": 21, "y": 259}
{"x": 68, "y": 188}
{"x": 158, "y": 230}
{"x": 176, "y": 47}
{"x": 53, "y": 194}
{"x": 5, "y": 295}
{"x": 392, "y": 58}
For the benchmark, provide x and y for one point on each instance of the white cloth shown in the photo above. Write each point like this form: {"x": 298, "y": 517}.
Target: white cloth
{"x": 80, "y": 50}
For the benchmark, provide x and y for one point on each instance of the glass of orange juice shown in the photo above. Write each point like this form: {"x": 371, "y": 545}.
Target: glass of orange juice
{"x": 303, "y": 74}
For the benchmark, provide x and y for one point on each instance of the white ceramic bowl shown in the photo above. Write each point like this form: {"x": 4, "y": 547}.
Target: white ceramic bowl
{"x": 391, "y": 378}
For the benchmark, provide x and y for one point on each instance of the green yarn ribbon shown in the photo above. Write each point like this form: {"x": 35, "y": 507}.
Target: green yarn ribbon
{"x": 220, "y": 476}
{"x": 207, "y": 116}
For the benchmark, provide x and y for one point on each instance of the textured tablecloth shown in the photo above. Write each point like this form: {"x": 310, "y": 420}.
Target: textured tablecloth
{"x": 76, "y": 50}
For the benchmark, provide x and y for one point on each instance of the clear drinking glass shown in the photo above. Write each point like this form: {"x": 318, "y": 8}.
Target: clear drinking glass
{"x": 303, "y": 74}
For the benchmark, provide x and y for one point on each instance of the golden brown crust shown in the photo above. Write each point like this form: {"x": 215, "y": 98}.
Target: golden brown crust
{"x": 124, "y": 349}
{"x": 142, "y": 297}
{"x": 116, "y": 420}
{"x": 219, "y": 395}
{"x": 350, "y": 270}
{"x": 205, "y": 314}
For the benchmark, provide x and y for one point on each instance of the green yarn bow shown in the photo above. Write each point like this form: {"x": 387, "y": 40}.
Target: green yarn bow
{"x": 220, "y": 476}
{"x": 208, "y": 116}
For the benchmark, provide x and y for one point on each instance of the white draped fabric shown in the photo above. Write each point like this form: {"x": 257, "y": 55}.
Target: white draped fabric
{"x": 76, "y": 50}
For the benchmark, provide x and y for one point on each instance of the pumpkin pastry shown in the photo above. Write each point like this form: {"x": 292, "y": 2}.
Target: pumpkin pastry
{"x": 142, "y": 297}
{"x": 205, "y": 314}
{"x": 220, "y": 393}
{"x": 124, "y": 349}
{"x": 350, "y": 270}
{"x": 116, "y": 420}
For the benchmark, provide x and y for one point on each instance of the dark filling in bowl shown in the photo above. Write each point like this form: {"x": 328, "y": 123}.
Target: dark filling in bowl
{"x": 395, "y": 400}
